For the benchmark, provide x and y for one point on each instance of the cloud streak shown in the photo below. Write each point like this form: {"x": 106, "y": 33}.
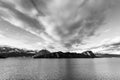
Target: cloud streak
{"x": 57, "y": 22}
{"x": 108, "y": 46}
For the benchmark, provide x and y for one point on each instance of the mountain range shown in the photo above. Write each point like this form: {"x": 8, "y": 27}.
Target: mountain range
{"x": 6, "y": 52}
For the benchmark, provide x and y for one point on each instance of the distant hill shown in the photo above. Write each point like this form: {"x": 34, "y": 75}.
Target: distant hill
{"x": 6, "y": 52}
{"x": 47, "y": 54}
{"x": 107, "y": 55}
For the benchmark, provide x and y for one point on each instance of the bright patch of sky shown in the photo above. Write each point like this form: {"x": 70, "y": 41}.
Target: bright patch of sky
{"x": 72, "y": 26}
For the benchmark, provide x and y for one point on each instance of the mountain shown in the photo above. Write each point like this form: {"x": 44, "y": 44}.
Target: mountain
{"x": 89, "y": 54}
{"x": 41, "y": 53}
{"x": 1, "y": 56}
{"x": 6, "y": 52}
{"x": 47, "y": 54}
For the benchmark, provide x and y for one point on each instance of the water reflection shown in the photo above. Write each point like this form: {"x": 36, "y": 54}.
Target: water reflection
{"x": 59, "y": 69}
{"x": 107, "y": 68}
{"x": 81, "y": 69}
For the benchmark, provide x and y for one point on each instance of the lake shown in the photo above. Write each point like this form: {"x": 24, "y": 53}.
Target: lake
{"x": 60, "y": 69}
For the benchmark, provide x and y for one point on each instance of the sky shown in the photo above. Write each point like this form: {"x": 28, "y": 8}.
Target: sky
{"x": 66, "y": 25}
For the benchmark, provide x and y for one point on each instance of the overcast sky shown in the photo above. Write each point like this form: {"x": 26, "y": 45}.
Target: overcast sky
{"x": 72, "y": 25}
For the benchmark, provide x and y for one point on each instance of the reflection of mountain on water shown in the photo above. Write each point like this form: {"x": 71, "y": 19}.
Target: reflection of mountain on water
{"x": 15, "y": 52}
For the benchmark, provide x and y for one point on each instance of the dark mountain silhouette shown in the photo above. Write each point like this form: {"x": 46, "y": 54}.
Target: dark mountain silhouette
{"x": 89, "y": 53}
{"x": 1, "y": 56}
{"x": 6, "y": 52}
{"x": 15, "y": 52}
{"x": 47, "y": 54}
{"x": 41, "y": 53}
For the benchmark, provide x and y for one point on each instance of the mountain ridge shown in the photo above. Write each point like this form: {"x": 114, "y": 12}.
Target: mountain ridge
{"x": 6, "y": 52}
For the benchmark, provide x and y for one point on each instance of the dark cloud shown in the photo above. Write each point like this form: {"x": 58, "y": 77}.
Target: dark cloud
{"x": 57, "y": 22}
{"x": 25, "y": 20}
{"x": 82, "y": 21}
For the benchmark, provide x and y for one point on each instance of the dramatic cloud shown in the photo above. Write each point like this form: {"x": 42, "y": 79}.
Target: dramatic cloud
{"x": 4, "y": 41}
{"x": 108, "y": 46}
{"x": 113, "y": 45}
{"x": 57, "y": 22}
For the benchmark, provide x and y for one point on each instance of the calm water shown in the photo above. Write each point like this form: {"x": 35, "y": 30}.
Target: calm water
{"x": 60, "y": 69}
